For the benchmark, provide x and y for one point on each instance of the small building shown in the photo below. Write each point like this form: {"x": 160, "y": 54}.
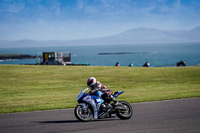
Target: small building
{"x": 56, "y": 58}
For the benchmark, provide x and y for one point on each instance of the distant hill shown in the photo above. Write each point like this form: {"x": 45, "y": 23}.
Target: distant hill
{"x": 148, "y": 35}
{"x": 132, "y": 36}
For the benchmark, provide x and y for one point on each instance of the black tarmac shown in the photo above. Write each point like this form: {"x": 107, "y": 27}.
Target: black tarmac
{"x": 173, "y": 116}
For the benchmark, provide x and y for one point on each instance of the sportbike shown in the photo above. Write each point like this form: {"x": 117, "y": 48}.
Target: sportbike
{"x": 92, "y": 107}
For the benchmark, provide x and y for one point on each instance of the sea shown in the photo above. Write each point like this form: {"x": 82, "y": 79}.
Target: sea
{"x": 158, "y": 55}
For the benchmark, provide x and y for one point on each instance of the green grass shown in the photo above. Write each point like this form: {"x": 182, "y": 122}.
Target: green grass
{"x": 7, "y": 55}
{"x": 28, "y": 88}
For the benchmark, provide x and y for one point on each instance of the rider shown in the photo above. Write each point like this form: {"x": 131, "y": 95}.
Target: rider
{"x": 97, "y": 86}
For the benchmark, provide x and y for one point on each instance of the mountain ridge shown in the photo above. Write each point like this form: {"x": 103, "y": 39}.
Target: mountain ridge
{"x": 132, "y": 36}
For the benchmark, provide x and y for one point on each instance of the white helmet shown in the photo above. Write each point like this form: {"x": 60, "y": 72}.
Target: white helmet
{"x": 91, "y": 81}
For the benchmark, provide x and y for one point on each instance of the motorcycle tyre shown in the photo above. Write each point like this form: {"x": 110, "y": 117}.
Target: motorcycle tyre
{"x": 79, "y": 117}
{"x": 124, "y": 117}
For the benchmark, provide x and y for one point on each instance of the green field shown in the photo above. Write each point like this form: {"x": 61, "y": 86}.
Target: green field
{"x": 30, "y": 87}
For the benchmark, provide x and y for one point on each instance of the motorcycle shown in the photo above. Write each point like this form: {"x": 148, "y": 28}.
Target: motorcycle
{"x": 93, "y": 107}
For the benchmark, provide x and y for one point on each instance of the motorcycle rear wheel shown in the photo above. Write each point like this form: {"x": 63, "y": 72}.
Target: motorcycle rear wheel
{"x": 83, "y": 115}
{"x": 125, "y": 114}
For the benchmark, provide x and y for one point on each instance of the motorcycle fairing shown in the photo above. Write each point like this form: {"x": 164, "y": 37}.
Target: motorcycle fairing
{"x": 97, "y": 97}
{"x": 81, "y": 95}
{"x": 98, "y": 93}
{"x": 88, "y": 99}
{"x": 118, "y": 93}
{"x": 83, "y": 105}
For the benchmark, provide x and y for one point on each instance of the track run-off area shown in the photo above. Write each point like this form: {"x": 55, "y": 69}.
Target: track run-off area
{"x": 170, "y": 116}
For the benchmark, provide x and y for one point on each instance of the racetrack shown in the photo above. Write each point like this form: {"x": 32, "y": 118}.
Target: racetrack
{"x": 174, "y": 116}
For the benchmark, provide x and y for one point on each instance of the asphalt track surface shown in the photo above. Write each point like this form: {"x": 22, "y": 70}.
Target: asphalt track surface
{"x": 173, "y": 116}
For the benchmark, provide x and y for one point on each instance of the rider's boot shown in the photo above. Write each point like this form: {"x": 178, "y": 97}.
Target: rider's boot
{"x": 116, "y": 103}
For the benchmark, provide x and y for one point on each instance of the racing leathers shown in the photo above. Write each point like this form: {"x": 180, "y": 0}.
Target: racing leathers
{"x": 107, "y": 93}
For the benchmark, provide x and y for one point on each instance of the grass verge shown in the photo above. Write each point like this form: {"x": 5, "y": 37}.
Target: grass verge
{"x": 29, "y": 88}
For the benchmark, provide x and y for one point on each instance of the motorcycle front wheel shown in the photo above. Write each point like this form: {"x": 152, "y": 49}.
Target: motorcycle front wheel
{"x": 83, "y": 115}
{"x": 125, "y": 114}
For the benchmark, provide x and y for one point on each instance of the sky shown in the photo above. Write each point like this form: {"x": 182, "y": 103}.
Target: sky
{"x": 79, "y": 19}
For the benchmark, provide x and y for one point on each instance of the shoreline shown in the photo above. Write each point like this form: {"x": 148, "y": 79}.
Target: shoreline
{"x": 4, "y": 57}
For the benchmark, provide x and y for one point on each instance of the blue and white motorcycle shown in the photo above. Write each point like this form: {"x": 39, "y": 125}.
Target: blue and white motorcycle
{"x": 92, "y": 107}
